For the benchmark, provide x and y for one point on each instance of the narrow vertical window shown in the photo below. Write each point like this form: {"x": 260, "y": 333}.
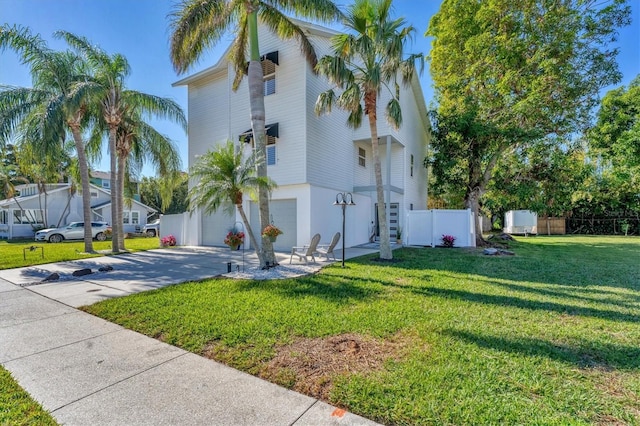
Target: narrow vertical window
{"x": 269, "y": 79}
{"x": 411, "y": 166}
{"x": 362, "y": 157}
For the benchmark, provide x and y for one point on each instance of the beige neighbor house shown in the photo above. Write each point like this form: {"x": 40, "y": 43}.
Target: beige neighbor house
{"x": 311, "y": 158}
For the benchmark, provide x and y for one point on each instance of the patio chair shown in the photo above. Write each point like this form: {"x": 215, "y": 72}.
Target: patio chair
{"x": 305, "y": 251}
{"x": 327, "y": 250}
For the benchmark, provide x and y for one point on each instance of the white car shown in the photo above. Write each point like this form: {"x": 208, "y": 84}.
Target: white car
{"x": 73, "y": 231}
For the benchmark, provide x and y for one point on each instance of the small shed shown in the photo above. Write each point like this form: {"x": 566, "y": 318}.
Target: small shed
{"x": 521, "y": 222}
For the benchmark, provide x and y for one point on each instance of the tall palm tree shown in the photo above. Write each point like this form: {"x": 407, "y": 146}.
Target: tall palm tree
{"x": 121, "y": 111}
{"x": 365, "y": 61}
{"x": 137, "y": 141}
{"x": 222, "y": 180}
{"x": 46, "y": 112}
{"x": 199, "y": 24}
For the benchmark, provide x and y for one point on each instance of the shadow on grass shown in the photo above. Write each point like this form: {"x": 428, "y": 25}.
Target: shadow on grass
{"x": 587, "y": 355}
{"x": 332, "y": 288}
{"x": 579, "y": 265}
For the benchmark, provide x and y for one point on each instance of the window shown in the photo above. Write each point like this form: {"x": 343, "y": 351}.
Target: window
{"x": 411, "y": 167}
{"x": 132, "y": 218}
{"x": 269, "y": 77}
{"x": 271, "y": 151}
{"x": 29, "y": 216}
{"x": 4, "y": 217}
{"x": 272, "y": 133}
{"x": 94, "y": 194}
{"x": 106, "y": 184}
{"x": 362, "y": 157}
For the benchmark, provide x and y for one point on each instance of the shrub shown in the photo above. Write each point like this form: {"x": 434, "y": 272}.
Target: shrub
{"x": 448, "y": 240}
{"x": 168, "y": 241}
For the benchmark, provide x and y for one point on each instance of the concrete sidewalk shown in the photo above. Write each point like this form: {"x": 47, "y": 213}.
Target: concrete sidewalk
{"x": 86, "y": 370}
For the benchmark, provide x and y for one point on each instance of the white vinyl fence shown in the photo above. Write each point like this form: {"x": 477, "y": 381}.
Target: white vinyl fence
{"x": 426, "y": 227}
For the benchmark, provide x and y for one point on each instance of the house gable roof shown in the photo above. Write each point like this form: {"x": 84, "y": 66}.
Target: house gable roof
{"x": 221, "y": 66}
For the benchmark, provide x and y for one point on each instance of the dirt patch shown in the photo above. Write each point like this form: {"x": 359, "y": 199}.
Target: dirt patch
{"x": 311, "y": 365}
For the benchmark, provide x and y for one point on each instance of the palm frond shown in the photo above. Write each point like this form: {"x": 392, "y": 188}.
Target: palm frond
{"x": 197, "y": 25}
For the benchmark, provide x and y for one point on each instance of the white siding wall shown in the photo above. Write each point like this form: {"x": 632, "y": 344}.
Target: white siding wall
{"x": 208, "y": 115}
{"x": 330, "y": 156}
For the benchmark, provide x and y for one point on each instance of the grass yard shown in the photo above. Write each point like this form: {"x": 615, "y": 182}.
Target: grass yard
{"x": 12, "y": 253}
{"x": 16, "y": 406}
{"x": 443, "y": 336}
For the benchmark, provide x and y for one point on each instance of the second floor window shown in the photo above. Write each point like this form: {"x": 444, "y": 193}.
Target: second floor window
{"x": 362, "y": 157}
{"x": 269, "y": 77}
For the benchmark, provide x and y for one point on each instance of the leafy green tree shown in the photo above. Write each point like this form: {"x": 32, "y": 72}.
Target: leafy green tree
{"x": 167, "y": 194}
{"x": 223, "y": 177}
{"x": 51, "y": 108}
{"x": 120, "y": 113}
{"x": 509, "y": 73}
{"x": 364, "y": 62}
{"x": 542, "y": 178}
{"x": 616, "y": 134}
{"x": 199, "y": 24}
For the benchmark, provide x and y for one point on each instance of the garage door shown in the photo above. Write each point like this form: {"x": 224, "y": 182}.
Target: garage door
{"x": 283, "y": 213}
{"x": 215, "y": 227}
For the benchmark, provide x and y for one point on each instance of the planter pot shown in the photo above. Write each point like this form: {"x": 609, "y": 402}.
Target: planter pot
{"x": 273, "y": 239}
{"x": 236, "y": 247}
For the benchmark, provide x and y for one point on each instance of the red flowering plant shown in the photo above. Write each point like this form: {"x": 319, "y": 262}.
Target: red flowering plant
{"x": 271, "y": 231}
{"x": 234, "y": 238}
{"x": 168, "y": 241}
{"x": 448, "y": 240}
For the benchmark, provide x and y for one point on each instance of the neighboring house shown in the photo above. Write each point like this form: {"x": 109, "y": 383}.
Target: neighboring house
{"x": 311, "y": 158}
{"x": 103, "y": 180}
{"x": 58, "y": 206}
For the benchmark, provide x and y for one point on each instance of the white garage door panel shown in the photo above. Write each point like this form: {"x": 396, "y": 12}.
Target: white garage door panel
{"x": 284, "y": 216}
{"x": 215, "y": 227}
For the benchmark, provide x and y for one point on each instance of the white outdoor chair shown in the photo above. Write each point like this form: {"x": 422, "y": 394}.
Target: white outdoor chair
{"x": 327, "y": 250}
{"x": 305, "y": 251}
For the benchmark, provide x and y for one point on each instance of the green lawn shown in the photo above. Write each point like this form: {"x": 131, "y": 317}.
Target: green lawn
{"x": 17, "y": 407}
{"x": 13, "y": 254}
{"x": 549, "y": 336}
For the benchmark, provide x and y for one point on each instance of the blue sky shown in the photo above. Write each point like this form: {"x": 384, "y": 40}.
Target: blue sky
{"x": 139, "y": 29}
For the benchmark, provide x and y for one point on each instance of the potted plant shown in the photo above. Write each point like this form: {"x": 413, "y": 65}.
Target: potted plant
{"x": 448, "y": 240}
{"x": 234, "y": 239}
{"x": 271, "y": 232}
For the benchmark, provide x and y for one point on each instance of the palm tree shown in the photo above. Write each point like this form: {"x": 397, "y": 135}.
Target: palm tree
{"x": 363, "y": 63}
{"x": 51, "y": 108}
{"x": 222, "y": 180}
{"x": 121, "y": 112}
{"x": 137, "y": 141}
{"x": 199, "y": 24}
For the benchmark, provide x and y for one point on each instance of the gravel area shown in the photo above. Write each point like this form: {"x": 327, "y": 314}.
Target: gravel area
{"x": 279, "y": 272}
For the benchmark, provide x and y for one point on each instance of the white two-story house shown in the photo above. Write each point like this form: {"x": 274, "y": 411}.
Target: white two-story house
{"x": 311, "y": 158}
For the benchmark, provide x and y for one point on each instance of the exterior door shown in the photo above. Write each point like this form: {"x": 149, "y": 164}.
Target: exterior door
{"x": 394, "y": 221}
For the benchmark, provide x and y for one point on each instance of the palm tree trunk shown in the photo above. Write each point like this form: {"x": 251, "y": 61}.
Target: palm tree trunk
{"x": 115, "y": 225}
{"x": 86, "y": 189}
{"x": 252, "y": 237}
{"x": 256, "y": 99}
{"x": 120, "y": 195}
{"x": 385, "y": 244}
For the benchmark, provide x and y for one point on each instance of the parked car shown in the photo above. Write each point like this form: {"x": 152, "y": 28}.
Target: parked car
{"x": 73, "y": 231}
{"x": 152, "y": 229}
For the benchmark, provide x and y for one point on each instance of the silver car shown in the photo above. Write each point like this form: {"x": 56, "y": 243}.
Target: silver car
{"x": 73, "y": 231}
{"x": 151, "y": 229}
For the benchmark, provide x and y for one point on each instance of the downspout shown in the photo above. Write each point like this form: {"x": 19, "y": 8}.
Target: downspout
{"x": 388, "y": 203}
